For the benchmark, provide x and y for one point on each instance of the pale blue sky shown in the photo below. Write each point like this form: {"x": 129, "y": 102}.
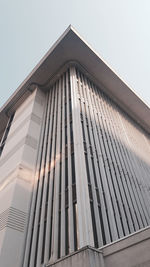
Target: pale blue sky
{"x": 119, "y": 30}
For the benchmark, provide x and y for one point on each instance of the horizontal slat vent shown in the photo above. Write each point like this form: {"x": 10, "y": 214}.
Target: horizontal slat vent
{"x": 13, "y": 218}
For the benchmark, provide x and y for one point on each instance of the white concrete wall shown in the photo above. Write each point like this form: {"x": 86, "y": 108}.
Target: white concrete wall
{"x": 17, "y": 167}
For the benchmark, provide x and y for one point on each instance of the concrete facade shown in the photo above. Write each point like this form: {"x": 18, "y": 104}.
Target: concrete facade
{"x": 17, "y": 167}
{"x": 75, "y": 167}
{"x": 132, "y": 251}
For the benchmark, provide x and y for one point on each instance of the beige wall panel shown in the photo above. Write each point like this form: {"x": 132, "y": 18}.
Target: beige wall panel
{"x": 11, "y": 251}
{"x": 6, "y": 194}
{"x": 7, "y": 165}
{"x": 20, "y": 153}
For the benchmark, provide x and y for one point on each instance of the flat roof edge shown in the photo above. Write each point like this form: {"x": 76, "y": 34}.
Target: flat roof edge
{"x": 108, "y": 76}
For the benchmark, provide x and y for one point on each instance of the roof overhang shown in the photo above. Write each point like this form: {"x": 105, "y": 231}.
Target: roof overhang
{"x": 71, "y": 47}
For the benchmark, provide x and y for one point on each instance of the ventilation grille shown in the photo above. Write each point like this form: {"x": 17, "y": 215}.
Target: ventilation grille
{"x": 13, "y": 218}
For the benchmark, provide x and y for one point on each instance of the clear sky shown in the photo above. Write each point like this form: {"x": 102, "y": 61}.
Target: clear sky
{"x": 119, "y": 30}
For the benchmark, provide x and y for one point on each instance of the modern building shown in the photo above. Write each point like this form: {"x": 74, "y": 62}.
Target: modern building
{"x": 74, "y": 165}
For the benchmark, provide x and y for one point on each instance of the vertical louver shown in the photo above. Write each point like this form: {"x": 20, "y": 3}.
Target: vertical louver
{"x": 106, "y": 200}
{"x": 52, "y": 226}
{"x": 117, "y": 173}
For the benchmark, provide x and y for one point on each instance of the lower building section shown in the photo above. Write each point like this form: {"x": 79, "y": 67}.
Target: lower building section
{"x": 75, "y": 172}
{"x": 131, "y": 251}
